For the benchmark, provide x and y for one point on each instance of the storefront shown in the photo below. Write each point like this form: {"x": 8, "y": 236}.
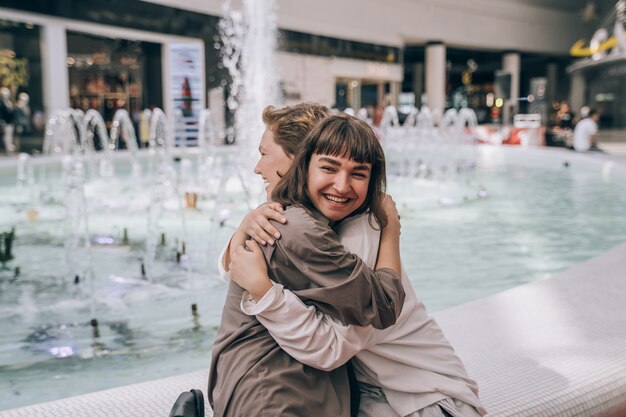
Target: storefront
{"x": 338, "y": 72}
{"x": 20, "y": 80}
{"x": 598, "y": 78}
{"x": 109, "y": 74}
{"x": 133, "y": 55}
{"x": 64, "y": 63}
{"x": 603, "y": 88}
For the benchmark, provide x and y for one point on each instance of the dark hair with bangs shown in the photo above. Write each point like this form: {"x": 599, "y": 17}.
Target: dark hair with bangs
{"x": 344, "y": 136}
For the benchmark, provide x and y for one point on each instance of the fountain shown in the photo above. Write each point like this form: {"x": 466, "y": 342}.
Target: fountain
{"x": 160, "y": 141}
{"x": 249, "y": 39}
{"x": 91, "y": 126}
{"x": 60, "y": 134}
{"x": 112, "y": 263}
{"x": 122, "y": 128}
{"x": 77, "y": 241}
{"x": 115, "y": 249}
{"x": 436, "y": 153}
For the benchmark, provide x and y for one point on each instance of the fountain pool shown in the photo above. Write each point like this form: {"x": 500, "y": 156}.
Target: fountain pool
{"x": 540, "y": 212}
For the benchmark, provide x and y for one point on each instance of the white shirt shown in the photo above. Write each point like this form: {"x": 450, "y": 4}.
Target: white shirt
{"x": 583, "y": 132}
{"x": 412, "y": 361}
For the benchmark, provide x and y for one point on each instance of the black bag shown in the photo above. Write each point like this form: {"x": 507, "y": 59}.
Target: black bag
{"x": 189, "y": 404}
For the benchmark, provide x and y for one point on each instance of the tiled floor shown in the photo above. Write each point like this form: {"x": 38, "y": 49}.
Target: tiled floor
{"x": 614, "y": 148}
{"x": 550, "y": 348}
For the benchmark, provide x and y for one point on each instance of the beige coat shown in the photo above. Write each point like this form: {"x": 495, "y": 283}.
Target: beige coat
{"x": 250, "y": 374}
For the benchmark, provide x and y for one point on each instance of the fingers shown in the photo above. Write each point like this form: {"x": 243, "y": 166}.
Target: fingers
{"x": 275, "y": 215}
{"x": 260, "y": 236}
{"x": 263, "y": 231}
{"x": 271, "y": 214}
{"x": 267, "y": 228}
{"x": 276, "y": 206}
{"x": 252, "y": 246}
{"x": 239, "y": 254}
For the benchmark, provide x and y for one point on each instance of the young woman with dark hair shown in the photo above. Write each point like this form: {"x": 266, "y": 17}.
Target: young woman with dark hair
{"x": 338, "y": 172}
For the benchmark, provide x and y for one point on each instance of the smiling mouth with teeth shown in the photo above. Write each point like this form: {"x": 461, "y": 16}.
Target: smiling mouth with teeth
{"x": 340, "y": 200}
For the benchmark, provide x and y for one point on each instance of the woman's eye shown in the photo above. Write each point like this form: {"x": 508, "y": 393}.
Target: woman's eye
{"x": 327, "y": 169}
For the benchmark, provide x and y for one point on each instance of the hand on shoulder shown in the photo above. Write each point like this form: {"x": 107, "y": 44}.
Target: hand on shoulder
{"x": 256, "y": 224}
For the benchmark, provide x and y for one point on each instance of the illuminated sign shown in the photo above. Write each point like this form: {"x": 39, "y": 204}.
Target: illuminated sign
{"x": 601, "y": 42}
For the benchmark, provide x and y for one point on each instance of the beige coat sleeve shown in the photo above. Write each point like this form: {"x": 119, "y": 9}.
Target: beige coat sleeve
{"x": 310, "y": 260}
{"x": 306, "y": 334}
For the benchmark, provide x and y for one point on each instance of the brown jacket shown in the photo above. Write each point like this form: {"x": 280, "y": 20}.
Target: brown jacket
{"x": 250, "y": 374}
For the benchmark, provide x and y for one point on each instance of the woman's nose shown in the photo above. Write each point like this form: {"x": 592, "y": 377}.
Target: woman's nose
{"x": 342, "y": 184}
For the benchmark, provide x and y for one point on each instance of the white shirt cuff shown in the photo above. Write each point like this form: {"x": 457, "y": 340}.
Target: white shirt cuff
{"x": 252, "y": 308}
{"x": 224, "y": 275}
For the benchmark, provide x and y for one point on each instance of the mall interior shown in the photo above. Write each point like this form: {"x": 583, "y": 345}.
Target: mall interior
{"x": 129, "y": 132}
{"x": 499, "y": 60}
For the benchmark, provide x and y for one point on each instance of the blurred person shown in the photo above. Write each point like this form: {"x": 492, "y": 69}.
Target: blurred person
{"x": 7, "y": 113}
{"x": 379, "y": 110}
{"x": 144, "y": 128}
{"x": 564, "y": 118}
{"x": 562, "y": 125}
{"x": 23, "y": 123}
{"x": 586, "y": 133}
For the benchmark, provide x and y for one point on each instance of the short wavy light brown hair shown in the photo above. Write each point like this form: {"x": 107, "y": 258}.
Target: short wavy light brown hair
{"x": 291, "y": 124}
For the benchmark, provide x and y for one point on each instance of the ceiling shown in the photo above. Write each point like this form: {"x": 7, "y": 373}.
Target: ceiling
{"x": 603, "y": 7}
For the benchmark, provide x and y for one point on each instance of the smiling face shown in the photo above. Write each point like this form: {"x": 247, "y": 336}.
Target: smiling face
{"x": 337, "y": 186}
{"x": 274, "y": 162}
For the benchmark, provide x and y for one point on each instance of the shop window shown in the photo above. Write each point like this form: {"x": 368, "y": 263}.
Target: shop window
{"x": 111, "y": 74}
{"x": 21, "y": 83}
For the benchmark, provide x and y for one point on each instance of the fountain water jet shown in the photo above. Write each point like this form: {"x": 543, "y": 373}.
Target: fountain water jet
{"x": 92, "y": 124}
{"x": 249, "y": 39}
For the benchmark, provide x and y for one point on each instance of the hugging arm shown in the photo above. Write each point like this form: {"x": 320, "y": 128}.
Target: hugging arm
{"x": 337, "y": 282}
{"x": 312, "y": 337}
{"x": 254, "y": 225}
{"x": 310, "y": 260}
{"x": 309, "y": 336}
{"x": 322, "y": 273}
